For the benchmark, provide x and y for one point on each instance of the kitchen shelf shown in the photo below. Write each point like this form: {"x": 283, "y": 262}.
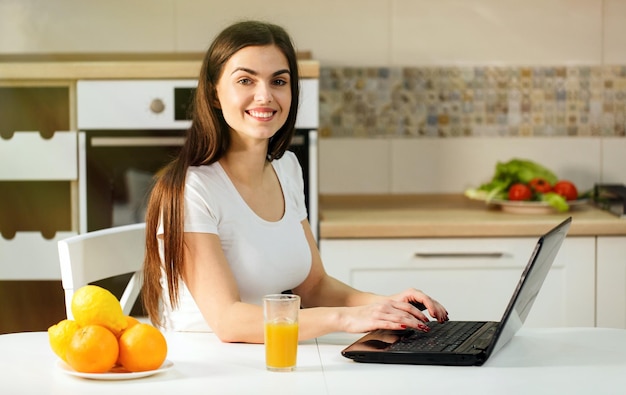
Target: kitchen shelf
{"x": 38, "y": 206}
{"x": 27, "y": 108}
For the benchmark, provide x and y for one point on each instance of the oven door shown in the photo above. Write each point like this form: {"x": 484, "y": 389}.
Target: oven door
{"x": 116, "y": 173}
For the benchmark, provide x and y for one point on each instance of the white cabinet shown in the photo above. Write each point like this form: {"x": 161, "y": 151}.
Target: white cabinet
{"x": 611, "y": 281}
{"x": 29, "y": 157}
{"x": 473, "y": 278}
{"x": 30, "y": 256}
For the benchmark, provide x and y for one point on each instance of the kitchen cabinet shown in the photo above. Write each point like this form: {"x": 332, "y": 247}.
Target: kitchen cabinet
{"x": 38, "y": 176}
{"x": 473, "y": 277}
{"x": 611, "y": 281}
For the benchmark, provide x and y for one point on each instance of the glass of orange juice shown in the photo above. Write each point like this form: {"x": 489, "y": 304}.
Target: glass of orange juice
{"x": 281, "y": 331}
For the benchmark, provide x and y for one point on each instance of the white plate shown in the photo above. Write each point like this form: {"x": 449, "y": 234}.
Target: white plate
{"x": 529, "y": 207}
{"x": 113, "y": 375}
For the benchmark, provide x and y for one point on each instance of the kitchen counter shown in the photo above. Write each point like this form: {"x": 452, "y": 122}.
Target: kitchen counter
{"x": 405, "y": 216}
{"x": 115, "y": 66}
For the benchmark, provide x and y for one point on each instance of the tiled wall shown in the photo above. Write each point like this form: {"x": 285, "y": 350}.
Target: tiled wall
{"x": 473, "y": 101}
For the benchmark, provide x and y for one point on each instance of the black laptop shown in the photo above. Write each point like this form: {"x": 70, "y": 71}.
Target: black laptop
{"x": 464, "y": 343}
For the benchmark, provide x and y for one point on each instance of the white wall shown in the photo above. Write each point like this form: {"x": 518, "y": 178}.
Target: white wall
{"x": 345, "y": 32}
{"x": 450, "y": 165}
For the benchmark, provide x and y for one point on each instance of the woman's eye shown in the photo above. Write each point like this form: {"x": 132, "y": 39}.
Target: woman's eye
{"x": 244, "y": 81}
{"x": 280, "y": 82}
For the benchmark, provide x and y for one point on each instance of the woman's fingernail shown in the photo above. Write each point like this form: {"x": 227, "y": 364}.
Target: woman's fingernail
{"x": 403, "y": 326}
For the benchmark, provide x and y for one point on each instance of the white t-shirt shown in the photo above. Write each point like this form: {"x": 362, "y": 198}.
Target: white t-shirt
{"x": 265, "y": 257}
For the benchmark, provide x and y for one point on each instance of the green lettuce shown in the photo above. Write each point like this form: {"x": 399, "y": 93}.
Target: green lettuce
{"x": 514, "y": 171}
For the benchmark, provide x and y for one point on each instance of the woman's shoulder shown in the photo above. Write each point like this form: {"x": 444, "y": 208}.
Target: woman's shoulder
{"x": 203, "y": 171}
{"x": 289, "y": 170}
{"x": 204, "y": 176}
{"x": 289, "y": 160}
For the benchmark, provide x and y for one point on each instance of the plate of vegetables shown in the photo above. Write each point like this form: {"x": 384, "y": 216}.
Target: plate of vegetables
{"x": 526, "y": 187}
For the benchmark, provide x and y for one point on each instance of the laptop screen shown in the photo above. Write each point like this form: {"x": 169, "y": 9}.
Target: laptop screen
{"x": 530, "y": 284}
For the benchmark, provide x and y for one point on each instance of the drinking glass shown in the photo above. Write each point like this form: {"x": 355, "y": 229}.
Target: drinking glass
{"x": 281, "y": 331}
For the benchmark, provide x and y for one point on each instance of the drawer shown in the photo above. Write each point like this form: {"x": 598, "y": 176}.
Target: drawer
{"x": 29, "y": 256}
{"x": 424, "y": 253}
{"x": 28, "y": 156}
{"x": 473, "y": 278}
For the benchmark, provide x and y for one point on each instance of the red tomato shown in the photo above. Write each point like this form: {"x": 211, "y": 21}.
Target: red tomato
{"x": 519, "y": 191}
{"x": 566, "y": 189}
{"x": 540, "y": 185}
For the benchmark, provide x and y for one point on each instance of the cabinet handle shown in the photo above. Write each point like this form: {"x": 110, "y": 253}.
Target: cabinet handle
{"x": 459, "y": 254}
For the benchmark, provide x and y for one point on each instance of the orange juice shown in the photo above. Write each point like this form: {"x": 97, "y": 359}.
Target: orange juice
{"x": 281, "y": 344}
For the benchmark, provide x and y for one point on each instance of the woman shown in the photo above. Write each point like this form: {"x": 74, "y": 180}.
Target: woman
{"x": 226, "y": 222}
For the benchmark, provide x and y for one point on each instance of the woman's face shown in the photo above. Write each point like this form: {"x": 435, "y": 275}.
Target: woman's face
{"x": 254, "y": 92}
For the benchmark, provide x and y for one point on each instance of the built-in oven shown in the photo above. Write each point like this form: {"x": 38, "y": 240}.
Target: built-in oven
{"x": 129, "y": 129}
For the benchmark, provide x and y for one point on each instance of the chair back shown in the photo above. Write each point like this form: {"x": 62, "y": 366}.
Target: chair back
{"x": 101, "y": 254}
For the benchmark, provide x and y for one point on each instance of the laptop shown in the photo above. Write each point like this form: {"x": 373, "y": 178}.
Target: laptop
{"x": 473, "y": 342}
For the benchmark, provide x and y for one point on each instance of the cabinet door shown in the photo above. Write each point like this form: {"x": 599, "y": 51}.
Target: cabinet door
{"x": 611, "y": 283}
{"x": 473, "y": 278}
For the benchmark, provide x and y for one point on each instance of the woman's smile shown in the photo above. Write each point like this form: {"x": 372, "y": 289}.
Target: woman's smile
{"x": 261, "y": 114}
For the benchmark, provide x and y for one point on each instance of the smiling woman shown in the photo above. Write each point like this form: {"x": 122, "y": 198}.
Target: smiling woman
{"x": 227, "y": 222}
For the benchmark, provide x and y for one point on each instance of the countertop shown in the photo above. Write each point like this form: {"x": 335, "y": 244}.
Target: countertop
{"x": 404, "y": 216}
{"x": 115, "y": 66}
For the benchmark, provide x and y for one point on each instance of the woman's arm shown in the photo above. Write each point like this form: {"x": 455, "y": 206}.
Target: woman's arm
{"x": 210, "y": 280}
{"x": 354, "y": 310}
{"x": 212, "y": 284}
{"x": 208, "y": 277}
{"x": 330, "y": 305}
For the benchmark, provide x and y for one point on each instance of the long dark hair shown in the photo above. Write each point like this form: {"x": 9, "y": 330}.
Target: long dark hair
{"x": 206, "y": 142}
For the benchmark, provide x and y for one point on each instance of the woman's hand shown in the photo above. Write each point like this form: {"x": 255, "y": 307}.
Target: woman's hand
{"x": 413, "y": 296}
{"x": 390, "y": 314}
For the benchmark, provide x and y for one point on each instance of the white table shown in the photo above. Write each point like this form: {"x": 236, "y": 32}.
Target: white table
{"x": 537, "y": 361}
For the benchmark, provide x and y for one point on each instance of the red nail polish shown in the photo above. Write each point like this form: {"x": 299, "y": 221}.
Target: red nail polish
{"x": 403, "y": 326}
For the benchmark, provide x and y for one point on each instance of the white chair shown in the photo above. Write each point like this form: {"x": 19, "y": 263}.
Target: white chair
{"x": 101, "y": 254}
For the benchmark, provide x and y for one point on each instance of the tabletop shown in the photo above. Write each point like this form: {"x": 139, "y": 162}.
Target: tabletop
{"x": 537, "y": 361}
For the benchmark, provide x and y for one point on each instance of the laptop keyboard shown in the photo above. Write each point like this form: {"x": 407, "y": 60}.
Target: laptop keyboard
{"x": 441, "y": 337}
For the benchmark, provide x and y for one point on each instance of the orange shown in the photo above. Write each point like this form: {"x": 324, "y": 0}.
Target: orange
{"x": 130, "y": 322}
{"x": 93, "y": 349}
{"x": 60, "y": 336}
{"x": 142, "y": 347}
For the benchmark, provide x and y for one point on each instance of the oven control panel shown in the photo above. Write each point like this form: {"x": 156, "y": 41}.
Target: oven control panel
{"x": 129, "y": 104}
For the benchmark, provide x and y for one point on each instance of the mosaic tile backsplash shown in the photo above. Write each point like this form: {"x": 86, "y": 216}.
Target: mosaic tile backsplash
{"x": 473, "y": 101}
